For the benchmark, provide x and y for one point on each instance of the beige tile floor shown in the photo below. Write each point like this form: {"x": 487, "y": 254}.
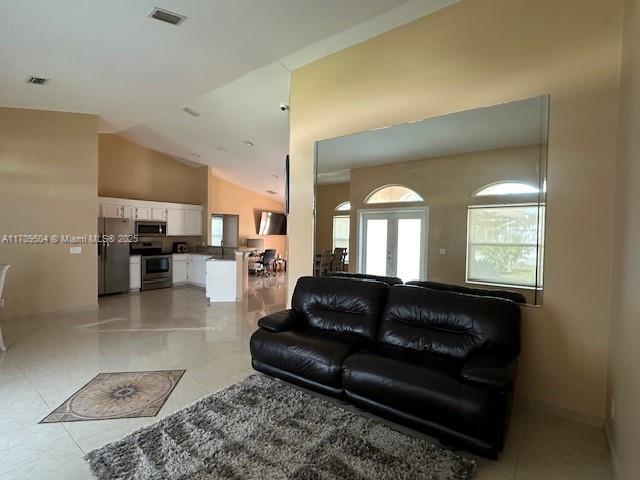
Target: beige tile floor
{"x": 51, "y": 356}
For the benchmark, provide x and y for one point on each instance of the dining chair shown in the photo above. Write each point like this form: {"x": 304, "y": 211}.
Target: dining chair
{"x": 3, "y": 276}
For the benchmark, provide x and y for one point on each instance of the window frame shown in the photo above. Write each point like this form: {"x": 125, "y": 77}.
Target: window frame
{"x": 216, "y": 217}
{"x": 480, "y": 191}
{"x": 539, "y": 245}
{"x": 333, "y": 232}
{"x": 367, "y": 200}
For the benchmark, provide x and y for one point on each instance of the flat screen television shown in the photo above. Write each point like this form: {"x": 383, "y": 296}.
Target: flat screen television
{"x": 271, "y": 223}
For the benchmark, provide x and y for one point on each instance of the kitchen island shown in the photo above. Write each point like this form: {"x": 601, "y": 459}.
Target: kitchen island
{"x": 227, "y": 277}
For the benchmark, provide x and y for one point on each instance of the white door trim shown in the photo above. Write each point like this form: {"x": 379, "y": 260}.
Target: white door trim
{"x": 424, "y": 213}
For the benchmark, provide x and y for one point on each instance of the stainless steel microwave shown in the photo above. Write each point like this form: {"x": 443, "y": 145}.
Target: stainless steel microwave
{"x": 151, "y": 228}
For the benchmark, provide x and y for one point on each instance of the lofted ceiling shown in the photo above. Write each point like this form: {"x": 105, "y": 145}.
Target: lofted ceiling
{"x": 230, "y": 60}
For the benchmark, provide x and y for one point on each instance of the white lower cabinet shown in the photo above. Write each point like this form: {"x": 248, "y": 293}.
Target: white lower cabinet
{"x": 190, "y": 268}
{"x": 200, "y": 271}
{"x": 179, "y": 269}
{"x": 135, "y": 273}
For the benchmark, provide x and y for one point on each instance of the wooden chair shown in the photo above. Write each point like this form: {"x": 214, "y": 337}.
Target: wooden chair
{"x": 339, "y": 257}
{"x": 323, "y": 262}
{"x": 3, "y": 276}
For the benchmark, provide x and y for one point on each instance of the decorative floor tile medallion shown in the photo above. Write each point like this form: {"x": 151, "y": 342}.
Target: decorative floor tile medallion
{"x": 118, "y": 395}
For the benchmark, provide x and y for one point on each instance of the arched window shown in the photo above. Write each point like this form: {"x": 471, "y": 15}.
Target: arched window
{"x": 393, "y": 194}
{"x": 505, "y": 239}
{"x": 343, "y": 207}
{"x": 506, "y": 188}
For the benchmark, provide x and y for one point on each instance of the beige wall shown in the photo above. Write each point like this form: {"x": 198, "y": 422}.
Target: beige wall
{"x": 228, "y": 197}
{"x": 129, "y": 170}
{"x": 328, "y": 197}
{"x": 446, "y": 184}
{"x": 48, "y": 179}
{"x": 624, "y": 352}
{"x": 478, "y": 53}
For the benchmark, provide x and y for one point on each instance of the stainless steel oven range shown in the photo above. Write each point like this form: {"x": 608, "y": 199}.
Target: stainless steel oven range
{"x": 157, "y": 268}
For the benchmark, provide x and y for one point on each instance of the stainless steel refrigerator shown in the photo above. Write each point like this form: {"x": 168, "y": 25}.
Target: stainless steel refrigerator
{"x": 113, "y": 256}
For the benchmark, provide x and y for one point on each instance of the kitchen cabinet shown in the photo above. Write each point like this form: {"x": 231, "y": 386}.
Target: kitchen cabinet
{"x": 192, "y": 222}
{"x": 129, "y": 212}
{"x": 175, "y": 222}
{"x": 191, "y": 271}
{"x": 200, "y": 272}
{"x": 180, "y": 269}
{"x": 182, "y": 219}
{"x": 196, "y": 269}
{"x": 111, "y": 211}
{"x": 184, "y": 222}
{"x": 159, "y": 214}
{"x": 135, "y": 273}
{"x": 143, "y": 213}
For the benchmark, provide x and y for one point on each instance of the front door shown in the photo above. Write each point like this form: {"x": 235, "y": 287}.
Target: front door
{"x": 393, "y": 242}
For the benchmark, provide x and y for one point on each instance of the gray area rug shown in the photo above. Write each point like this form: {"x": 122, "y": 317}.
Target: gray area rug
{"x": 260, "y": 428}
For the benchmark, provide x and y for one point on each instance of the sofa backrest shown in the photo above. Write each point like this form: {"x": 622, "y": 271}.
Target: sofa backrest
{"x": 341, "y": 305}
{"x": 481, "y": 292}
{"x": 363, "y": 276}
{"x": 450, "y": 324}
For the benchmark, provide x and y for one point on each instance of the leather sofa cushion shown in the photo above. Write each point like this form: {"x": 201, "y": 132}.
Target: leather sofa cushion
{"x": 340, "y": 305}
{"x": 450, "y": 324}
{"x": 315, "y": 355}
{"x": 480, "y": 292}
{"x": 430, "y": 389}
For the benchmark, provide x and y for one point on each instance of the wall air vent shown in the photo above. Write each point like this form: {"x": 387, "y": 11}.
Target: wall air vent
{"x": 37, "y": 80}
{"x": 191, "y": 112}
{"x": 167, "y": 16}
{"x": 271, "y": 192}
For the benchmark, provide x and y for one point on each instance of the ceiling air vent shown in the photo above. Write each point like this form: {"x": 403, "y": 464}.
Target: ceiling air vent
{"x": 37, "y": 80}
{"x": 271, "y": 192}
{"x": 167, "y": 16}
{"x": 191, "y": 112}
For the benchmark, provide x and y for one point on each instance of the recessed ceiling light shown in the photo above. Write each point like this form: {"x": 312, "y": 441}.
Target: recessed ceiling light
{"x": 191, "y": 112}
{"x": 248, "y": 143}
{"x": 221, "y": 149}
{"x": 271, "y": 192}
{"x": 166, "y": 16}
{"x": 33, "y": 80}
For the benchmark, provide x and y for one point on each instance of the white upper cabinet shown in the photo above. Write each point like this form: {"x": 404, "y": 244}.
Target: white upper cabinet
{"x": 192, "y": 222}
{"x": 129, "y": 211}
{"x": 111, "y": 211}
{"x": 182, "y": 219}
{"x": 159, "y": 214}
{"x": 143, "y": 213}
{"x": 175, "y": 222}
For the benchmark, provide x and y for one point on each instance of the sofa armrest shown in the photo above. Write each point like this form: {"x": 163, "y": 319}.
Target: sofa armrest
{"x": 490, "y": 372}
{"x": 279, "y": 321}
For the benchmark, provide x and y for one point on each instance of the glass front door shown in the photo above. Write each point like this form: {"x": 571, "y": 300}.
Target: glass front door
{"x": 393, "y": 243}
